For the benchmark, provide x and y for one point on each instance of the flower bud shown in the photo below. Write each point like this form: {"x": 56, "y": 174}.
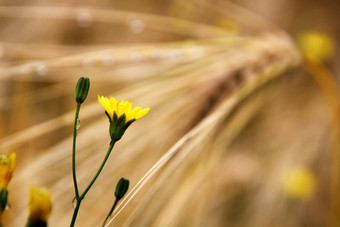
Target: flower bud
{"x": 40, "y": 206}
{"x": 121, "y": 188}
{"x": 7, "y": 167}
{"x": 82, "y": 89}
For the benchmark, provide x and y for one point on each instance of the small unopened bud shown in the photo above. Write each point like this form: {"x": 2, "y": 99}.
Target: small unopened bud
{"x": 82, "y": 89}
{"x": 121, "y": 188}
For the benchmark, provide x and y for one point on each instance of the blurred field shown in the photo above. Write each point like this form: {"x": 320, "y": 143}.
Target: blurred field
{"x": 234, "y": 109}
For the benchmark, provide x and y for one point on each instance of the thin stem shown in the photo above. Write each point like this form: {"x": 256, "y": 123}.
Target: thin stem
{"x": 74, "y": 152}
{"x": 82, "y": 196}
{"x": 109, "y": 214}
{"x": 75, "y": 212}
{"x": 99, "y": 170}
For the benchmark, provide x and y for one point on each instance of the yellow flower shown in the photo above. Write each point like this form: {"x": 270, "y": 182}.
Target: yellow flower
{"x": 316, "y": 46}
{"x": 40, "y": 205}
{"x": 120, "y": 108}
{"x": 121, "y": 115}
{"x": 299, "y": 183}
{"x": 7, "y": 167}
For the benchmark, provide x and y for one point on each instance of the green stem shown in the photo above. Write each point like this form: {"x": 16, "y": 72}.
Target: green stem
{"x": 75, "y": 212}
{"x": 74, "y": 151}
{"x": 111, "y": 211}
{"x": 99, "y": 170}
{"x": 82, "y": 196}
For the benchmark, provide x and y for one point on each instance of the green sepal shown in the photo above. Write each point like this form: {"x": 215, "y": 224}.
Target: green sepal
{"x": 115, "y": 117}
{"x": 31, "y": 223}
{"x": 108, "y": 116}
{"x": 3, "y": 199}
{"x": 121, "y": 121}
{"x": 127, "y": 124}
{"x": 118, "y": 126}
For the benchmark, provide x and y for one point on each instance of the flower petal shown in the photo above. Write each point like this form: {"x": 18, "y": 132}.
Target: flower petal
{"x": 112, "y": 106}
{"x": 142, "y": 112}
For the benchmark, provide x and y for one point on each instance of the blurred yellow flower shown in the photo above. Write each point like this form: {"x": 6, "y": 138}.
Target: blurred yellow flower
{"x": 316, "y": 46}
{"x": 120, "y": 108}
{"x": 40, "y": 205}
{"x": 299, "y": 183}
{"x": 7, "y": 167}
